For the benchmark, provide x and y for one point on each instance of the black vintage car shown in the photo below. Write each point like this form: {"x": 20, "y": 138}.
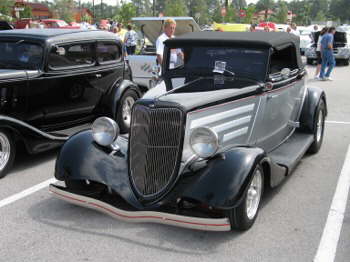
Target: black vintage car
{"x": 231, "y": 115}
{"x": 53, "y": 83}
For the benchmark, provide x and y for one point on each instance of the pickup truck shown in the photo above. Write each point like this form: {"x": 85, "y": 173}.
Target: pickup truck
{"x": 152, "y": 27}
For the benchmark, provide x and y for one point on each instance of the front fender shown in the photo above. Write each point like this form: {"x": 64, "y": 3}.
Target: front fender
{"x": 223, "y": 182}
{"x": 308, "y": 113}
{"x": 81, "y": 158}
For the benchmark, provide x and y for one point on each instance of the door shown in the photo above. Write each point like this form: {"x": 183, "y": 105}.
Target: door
{"x": 64, "y": 96}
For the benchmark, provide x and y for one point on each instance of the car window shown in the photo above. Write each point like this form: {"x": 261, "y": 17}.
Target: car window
{"x": 107, "y": 52}
{"x": 72, "y": 55}
{"x": 20, "y": 55}
{"x": 284, "y": 58}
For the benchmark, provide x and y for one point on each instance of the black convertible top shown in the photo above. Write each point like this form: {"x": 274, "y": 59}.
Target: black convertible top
{"x": 256, "y": 39}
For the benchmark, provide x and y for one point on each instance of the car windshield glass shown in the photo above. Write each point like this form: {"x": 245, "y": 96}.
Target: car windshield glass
{"x": 20, "y": 55}
{"x": 61, "y": 23}
{"x": 237, "y": 61}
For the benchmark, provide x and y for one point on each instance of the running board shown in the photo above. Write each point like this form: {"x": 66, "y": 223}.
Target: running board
{"x": 206, "y": 224}
{"x": 292, "y": 150}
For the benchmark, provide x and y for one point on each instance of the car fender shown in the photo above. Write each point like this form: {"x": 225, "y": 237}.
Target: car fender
{"x": 223, "y": 182}
{"x": 80, "y": 158}
{"x": 308, "y": 112}
{"x": 117, "y": 92}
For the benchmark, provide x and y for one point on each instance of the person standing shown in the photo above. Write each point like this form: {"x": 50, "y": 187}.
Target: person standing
{"x": 169, "y": 30}
{"x": 130, "y": 40}
{"x": 328, "y": 59}
{"x": 294, "y": 29}
{"x": 318, "y": 53}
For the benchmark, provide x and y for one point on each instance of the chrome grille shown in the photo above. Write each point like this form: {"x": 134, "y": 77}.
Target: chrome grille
{"x": 155, "y": 148}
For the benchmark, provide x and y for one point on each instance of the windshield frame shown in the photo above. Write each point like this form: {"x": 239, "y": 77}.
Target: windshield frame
{"x": 170, "y": 73}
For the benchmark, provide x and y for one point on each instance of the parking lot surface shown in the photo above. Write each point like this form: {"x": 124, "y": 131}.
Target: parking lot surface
{"x": 39, "y": 227}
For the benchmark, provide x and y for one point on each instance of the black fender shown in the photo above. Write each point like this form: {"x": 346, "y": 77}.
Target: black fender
{"x": 80, "y": 158}
{"x": 117, "y": 92}
{"x": 34, "y": 139}
{"x": 223, "y": 182}
{"x": 308, "y": 112}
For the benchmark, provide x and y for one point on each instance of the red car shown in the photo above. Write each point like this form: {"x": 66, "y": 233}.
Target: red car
{"x": 48, "y": 23}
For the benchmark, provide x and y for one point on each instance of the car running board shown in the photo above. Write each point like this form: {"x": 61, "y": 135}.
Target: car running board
{"x": 292, "y": 150}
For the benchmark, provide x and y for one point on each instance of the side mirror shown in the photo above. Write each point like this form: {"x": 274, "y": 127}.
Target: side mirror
{"x": 285, "y": 73}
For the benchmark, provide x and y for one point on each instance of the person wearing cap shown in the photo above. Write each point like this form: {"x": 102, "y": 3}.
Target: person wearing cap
{"x": 168, "y": 32}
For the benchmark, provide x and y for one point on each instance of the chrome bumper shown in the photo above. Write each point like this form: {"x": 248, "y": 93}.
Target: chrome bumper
{"x": 207, "y": 224}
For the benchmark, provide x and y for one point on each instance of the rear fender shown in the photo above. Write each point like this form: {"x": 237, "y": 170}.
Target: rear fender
{"x": 223, "y": 182}
{"x": 308, "y": 113}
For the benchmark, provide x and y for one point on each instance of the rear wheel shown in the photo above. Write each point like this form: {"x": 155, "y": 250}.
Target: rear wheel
{"x": 7, "y": 152}
{"x": 318, "y": 128}
{"x": 243, "y": 216}
{"x": 124, "y": 109}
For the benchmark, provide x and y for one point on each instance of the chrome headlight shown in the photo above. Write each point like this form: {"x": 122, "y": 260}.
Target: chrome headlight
{"x": 204, "y": 142}
{"x": 104, "y": 131}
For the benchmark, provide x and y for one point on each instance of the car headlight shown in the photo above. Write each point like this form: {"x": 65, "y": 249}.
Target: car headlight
{"x": 204, "y": 142}
{"x": 104, "y": 131}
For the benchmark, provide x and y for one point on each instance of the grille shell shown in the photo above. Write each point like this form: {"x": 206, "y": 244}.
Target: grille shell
{"x": 155, "y": 149}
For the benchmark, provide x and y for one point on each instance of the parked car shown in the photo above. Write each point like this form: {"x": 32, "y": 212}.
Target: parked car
{"x": 341, "y": 48}
{"x": 4, "y": 25}
{"x": 151, "y": 27}
{"x": 232, "y": 117}
{"x": 55, "y": 82}
{"x": 47, "y": 23}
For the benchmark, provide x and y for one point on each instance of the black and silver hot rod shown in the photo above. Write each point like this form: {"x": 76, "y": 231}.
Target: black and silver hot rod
{"x": 230, "y": 115}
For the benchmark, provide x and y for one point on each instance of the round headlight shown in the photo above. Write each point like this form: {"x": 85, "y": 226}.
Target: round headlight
{"x": 204, "y": 142}
{"x": 104, "y": 131}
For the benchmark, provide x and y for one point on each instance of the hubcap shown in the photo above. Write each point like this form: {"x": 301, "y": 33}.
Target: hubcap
{"x": 126, "y": 113}
{"x": 254, "y": 195}
{"x": 4, "y": 150}
{"x": 319, "y": 126}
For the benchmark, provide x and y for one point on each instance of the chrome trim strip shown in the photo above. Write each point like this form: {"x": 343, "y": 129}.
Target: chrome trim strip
{"x": 207, "y": 224}
{"x": 19, "y": 122}
{"x": 235, "y": 134}
{"x": 232, "y": 124}
{"x": 217, "y": 117}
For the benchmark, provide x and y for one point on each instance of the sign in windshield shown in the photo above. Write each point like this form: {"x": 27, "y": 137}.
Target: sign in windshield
{"x": 240, "y": 62}
{"x": 20, "y": 55}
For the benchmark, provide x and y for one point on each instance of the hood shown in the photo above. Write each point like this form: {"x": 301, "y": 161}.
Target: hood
{"x": 12, "y": 74}
{"x": 152, "y": 27}
{"x": 339, "y": 37}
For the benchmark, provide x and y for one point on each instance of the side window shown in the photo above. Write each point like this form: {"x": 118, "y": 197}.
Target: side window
{"x": 108, "y": 52}
{"x": 72, "y": 55}
{"x": 176, "y": 58}
{"x": 284, "y": 58}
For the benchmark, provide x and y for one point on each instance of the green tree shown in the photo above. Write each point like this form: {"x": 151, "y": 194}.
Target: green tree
{"x": 250, "y": 11}
{"x": 198, "y": 9}
{"x": 265, "y": 5}
{"x": 175, "y": 8}
{"x": 125, "y": 13}
{"x": 339, "y": 10}
{"x": 64, "y": 9}
{"x": 6, "y": 9}
{"x": 281, "y": 12}
{"x": 26, "y": 13}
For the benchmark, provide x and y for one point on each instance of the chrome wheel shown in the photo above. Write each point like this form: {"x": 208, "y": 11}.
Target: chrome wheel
{"x": 126, "y": 110}
{"x": 254, "y": 195}
{"x": 319, "y": 126}
{"x": 5, "y": 150}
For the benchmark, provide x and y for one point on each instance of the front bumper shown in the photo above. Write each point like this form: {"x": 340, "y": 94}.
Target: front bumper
{"x": 207, "y": 224}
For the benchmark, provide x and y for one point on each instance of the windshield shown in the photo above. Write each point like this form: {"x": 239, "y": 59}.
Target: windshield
{"x": 230, "y": 61}
{"x": 61, "y": 23}
{"x": 20, "y": 55}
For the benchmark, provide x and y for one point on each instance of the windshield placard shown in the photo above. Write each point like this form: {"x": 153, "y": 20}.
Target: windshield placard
{"x": 220, "y": 67}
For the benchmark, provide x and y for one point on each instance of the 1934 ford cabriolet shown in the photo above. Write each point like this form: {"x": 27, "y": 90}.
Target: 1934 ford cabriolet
{"x": 230, "y": 115}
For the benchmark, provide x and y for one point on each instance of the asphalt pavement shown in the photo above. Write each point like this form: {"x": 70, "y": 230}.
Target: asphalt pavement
{"x": 39, "y": 227}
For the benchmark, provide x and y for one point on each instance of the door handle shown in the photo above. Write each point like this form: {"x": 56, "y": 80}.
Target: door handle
{"x": 272, "y": 96}
{"x": 98, "y": 75}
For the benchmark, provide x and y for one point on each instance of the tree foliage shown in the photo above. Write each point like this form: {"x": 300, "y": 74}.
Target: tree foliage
{"x": 64, "y": 9}
{"x": 125, "y": 13}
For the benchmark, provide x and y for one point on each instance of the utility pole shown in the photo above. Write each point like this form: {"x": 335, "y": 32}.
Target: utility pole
{"x": 154, "y": 7}
{"x": 101, "y": 9}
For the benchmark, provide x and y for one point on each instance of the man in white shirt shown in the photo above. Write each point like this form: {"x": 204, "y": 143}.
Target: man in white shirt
{"x": 169, "y": 30}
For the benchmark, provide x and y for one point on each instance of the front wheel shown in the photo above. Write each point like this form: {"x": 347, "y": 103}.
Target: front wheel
{"x": 318, "y": 128}
{"x": 7, "y": 152}
{"x": 243, "y": 216}
{"x": 124, "y": 109}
